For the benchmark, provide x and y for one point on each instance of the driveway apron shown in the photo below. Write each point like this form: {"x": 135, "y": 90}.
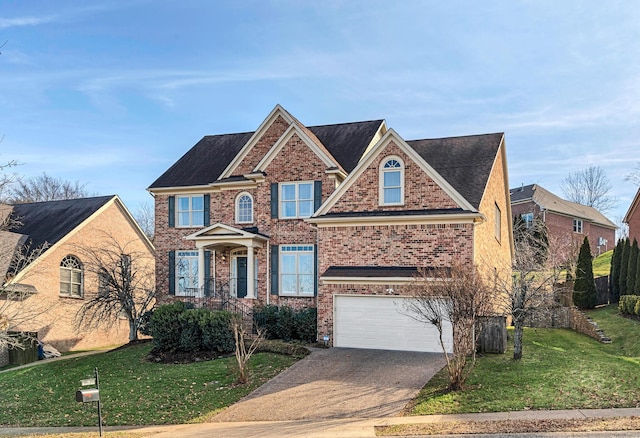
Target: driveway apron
{"x": 339, "y": 383}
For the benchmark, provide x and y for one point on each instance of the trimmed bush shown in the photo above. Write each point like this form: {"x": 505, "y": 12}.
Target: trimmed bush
{"x": 285, "y": 327}
{"x": 629, "y": 304}
{"x": 217, "y": 333}
{"x": 306, "y": 325}
{"x": 165, "y": 326}
{"x": 286, "y": 323}
{"x": 267, "y": 318}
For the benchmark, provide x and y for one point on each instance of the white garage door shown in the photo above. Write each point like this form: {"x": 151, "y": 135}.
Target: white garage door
{"x": 380, "y": 322}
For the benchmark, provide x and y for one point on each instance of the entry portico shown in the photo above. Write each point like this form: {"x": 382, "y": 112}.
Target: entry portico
{"x": 221, "y": 238}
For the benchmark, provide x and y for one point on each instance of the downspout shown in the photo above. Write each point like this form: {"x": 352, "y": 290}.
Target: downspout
{"x": 268, "y": 282}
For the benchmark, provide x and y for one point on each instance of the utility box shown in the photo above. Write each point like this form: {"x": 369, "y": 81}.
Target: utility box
{"x": 87, "y": 395}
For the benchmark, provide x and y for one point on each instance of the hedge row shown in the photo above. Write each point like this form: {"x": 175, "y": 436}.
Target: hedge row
{"x": 178, "y": 327}
{"x": 286, "y": 323}
{"x": 629, "y": 305}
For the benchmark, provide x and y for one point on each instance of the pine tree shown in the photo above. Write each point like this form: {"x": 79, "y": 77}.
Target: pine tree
{"x": 585, "y": 294}
{"x": 633, "y": 266}
{"x": 624, "y": 267}
{"x": 636, "y": 290}
{"x": 614, "y": 290}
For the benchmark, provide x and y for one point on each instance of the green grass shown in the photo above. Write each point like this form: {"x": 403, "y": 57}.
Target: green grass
{"x": 560, "y": 369}
{"x": 133, "y": 391}
{"x": 602, "y": 264}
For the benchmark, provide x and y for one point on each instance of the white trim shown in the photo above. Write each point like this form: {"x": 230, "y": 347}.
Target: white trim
{"x": 381, "y": 172}
{"x": 296, "y": 199}
{"x": 322, "y": 153}
{"x": 229, "y": 235}
{"x": 179, "y": 190}
{"x": 367, "y": 280}
{"x": 463, "y": 218}
{"x": 190, "y": 210}
{"x": 390, "y": 136}
{"x": 237, "y": 208}
{"x": 257, "y": 135}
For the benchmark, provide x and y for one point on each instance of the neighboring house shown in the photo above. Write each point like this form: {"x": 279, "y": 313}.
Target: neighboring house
{"x": 632, "y": 218}
{"x": 567, "y": 222}
{"x": 333, "y": 217}
{"x": 57, "y": 281}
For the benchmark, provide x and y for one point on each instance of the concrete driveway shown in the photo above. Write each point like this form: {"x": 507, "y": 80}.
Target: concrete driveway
{"x": 339, "y": 383}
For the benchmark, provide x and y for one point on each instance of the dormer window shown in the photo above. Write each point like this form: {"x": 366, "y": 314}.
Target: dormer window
{"x": 391, "y": 182}
{"x": 244, "y": 209}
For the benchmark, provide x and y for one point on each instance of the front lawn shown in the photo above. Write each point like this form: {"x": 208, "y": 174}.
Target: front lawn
{"x": 560, "y": 369}
{"x": 133, "y": 391}
{"x": 602, "y": 264}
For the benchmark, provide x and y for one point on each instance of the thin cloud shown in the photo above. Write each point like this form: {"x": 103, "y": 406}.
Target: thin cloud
{"x": 6, "y": 23}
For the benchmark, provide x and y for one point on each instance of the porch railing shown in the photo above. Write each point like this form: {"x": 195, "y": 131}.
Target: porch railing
{"x": 215, "y": 294}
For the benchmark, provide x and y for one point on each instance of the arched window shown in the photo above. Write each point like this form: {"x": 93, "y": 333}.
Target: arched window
{"x": 392, "y": 181}
{"x": 71, "y": 277}
{"x": 244, "y": 208}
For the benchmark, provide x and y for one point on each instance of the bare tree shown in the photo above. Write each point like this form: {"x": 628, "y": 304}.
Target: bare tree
{"x": 589, "y": 187}
{"x": 246, "y": 345}
{"x": 42, "y": 188}
{"x": 634, "y": 175}
{"x": 531, "y": 286}
{"x": 125, "y": 285}
{"x": 452, "y": 299}
{"x": 145, "y": 217}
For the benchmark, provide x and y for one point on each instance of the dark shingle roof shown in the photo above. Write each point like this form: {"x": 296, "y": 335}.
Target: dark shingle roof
{"x": 51, "y": 221}
{"x": 205, "y": 162}
{"x": 376, "y": 271}
{"x": 465, "y": 162}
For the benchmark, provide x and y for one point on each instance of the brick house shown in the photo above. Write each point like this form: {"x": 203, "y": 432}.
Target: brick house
{"x": 332, "y": 217}
{"x": 58, "y": 280}
{"x": 567, "y": 222}
{"x": 632, "y": 218}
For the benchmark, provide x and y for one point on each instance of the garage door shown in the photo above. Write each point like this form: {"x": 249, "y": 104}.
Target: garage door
{"x": 380, "y": 322}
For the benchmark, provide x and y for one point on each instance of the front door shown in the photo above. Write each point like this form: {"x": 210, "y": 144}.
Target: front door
{"x": 241, "y": 277}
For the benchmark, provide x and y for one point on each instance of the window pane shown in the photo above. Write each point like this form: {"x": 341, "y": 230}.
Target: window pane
{"x": 306, "y": 208}
{"x": 75, "y": 290}
{"x": 289, "y": 209}
{"x": 288, "y": 264}
{"x": 183, "y": 203}
{"x": 305, "y": 284}
{"x": 392, "y": 179}
{"x": 305, "y": 191}
{"x": 76, "y": 277}
{"x": 288, "y": 283}
{"x": 65, "y": 288}
{"x": 197, "y": 218}
{"x": 183, "y": 218}
{"x": 197, "y": 203}
{"x": 391, "y": 196}
{"x": 305, "y": 263}
{"x": 65, "y": 275}
{"x": 288, "y": 192}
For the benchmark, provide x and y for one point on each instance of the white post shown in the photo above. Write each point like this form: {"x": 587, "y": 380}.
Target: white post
{"x": 201, "y": 272}
{"x": 251, "y": 292}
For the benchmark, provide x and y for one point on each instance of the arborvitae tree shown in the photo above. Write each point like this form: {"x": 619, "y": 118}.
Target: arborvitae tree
{"x": 636, "y": 290}
{"x": 585, "y": 294}
{"x": 614, "y": 289}
{"x": 624, "y": 267}
{"x": 633, "y": 265}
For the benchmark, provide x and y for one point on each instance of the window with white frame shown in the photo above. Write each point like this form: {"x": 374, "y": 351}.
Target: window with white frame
{"x": 186, "y": 273}
{"x": 71, "y": 276}
{"x": 392, "y": 182}
{"x": 577, "y": 226}
{"x": 498, "y": 223}
{"x": 527, "y": 218}
{"x": 190, "y": 210}
{"x": 244, "y": 209}
{"x": 296, "y": 270}
{"x": 296, "y": 200}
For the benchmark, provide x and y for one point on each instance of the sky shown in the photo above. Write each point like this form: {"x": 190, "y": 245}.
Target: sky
{"x": 112, "y": 93}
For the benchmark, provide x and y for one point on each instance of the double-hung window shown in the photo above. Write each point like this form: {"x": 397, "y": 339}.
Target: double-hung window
{"x": 296, "y": 200}
{"x": 186, "y": 273}
{"x": 577, "y": 226}
{"x": 498, "y": 223}
{"x": 296, "y": 270}
{"x": 71, "y": 273}
{"x": 391, "y": 182}
{"x": 190, "y": 210}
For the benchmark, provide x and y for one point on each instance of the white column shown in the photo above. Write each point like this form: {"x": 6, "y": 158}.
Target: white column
{"x": 201, "y": 271}
{"x": 251, "y": 292}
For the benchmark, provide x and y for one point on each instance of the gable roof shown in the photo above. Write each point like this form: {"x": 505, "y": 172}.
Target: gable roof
{"x": 205, "y": 162}
{"x": 632, "y": 208}
{"x": 549, "y": 201}
{"x": 465, "y": 162}
{"x": 52, "y": 220}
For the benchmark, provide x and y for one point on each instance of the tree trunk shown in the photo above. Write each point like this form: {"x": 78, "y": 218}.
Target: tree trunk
{"x": 133, "y": 331}
{"x": 518, "y": 327}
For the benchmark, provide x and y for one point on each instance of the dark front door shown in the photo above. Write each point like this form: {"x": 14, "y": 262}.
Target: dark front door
{"x": 242, "y": 277}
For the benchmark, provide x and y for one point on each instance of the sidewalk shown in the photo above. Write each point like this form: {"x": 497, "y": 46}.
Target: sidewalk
{"x": 346, "y": 428}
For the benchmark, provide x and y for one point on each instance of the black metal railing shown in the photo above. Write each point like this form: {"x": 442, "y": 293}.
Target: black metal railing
{"x": 215, "y": 294}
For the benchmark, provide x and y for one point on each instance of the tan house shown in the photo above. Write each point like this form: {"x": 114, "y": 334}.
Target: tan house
{"x": 333, "y": 217}
{"x": 632, "y": 218}
{"x": 56, "y": 280}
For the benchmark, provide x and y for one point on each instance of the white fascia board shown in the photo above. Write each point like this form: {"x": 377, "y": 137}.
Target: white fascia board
{"x": 180, "y": 190}
{"x": 328, "y": 160}
{"x": 275, "y": 112}
{"x": 467, "y": 218}
{"x": 367, "y": 280}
